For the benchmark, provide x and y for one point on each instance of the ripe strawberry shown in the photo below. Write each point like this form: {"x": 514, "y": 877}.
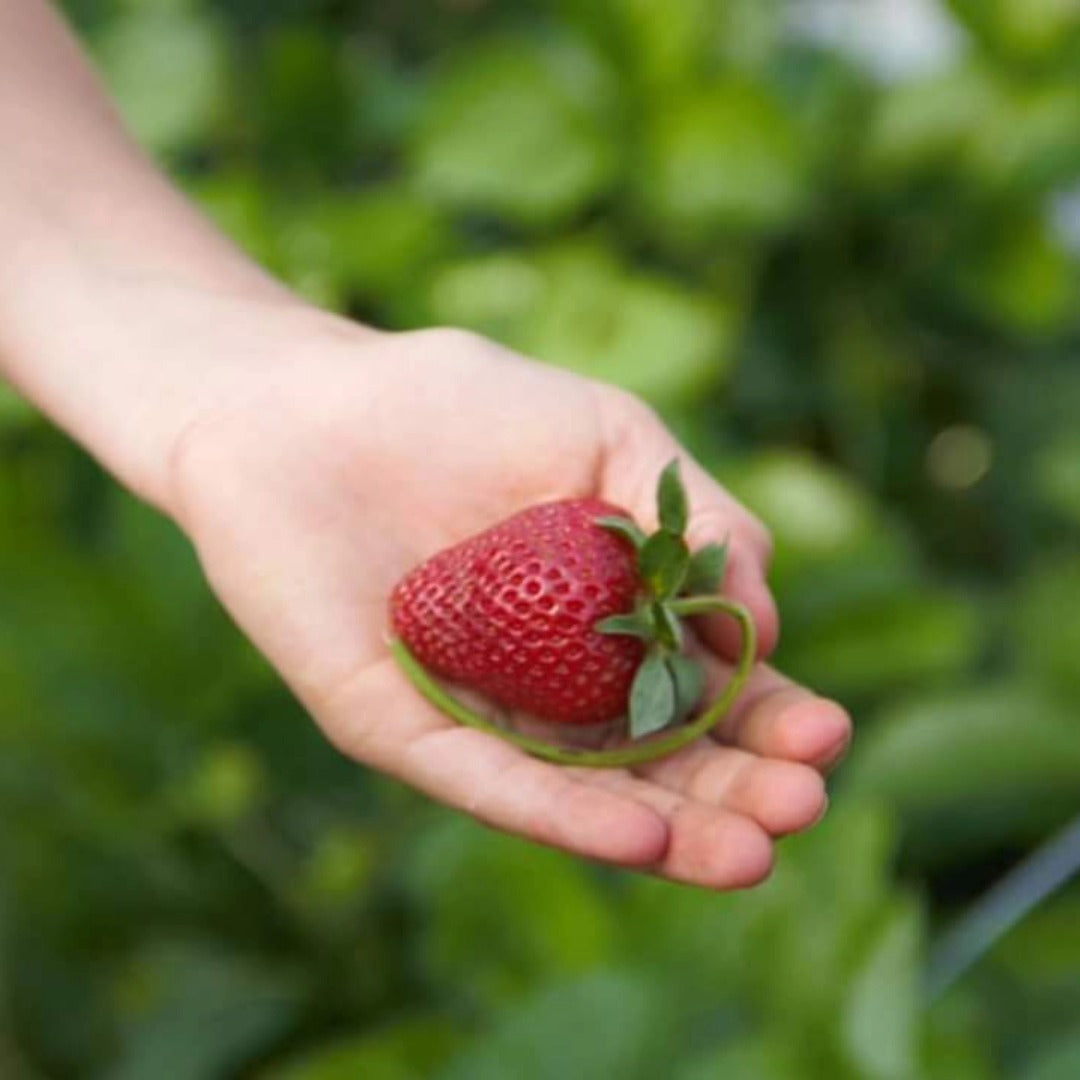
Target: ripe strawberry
{"x": 512, "y": 613}
{"x": 567, "y": 611}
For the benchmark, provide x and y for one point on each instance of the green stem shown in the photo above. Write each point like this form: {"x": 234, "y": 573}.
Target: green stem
{"x": 618, "y": 757}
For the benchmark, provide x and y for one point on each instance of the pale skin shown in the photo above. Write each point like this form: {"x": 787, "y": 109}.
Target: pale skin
{"x": 312, "y": 461}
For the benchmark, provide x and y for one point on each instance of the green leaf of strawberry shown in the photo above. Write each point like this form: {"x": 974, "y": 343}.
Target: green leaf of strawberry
{"x": 652, "y": 697}
{"x": 663, "y": 563}
{"x": 665, "y": 625}
{"x": 689, "y": 681}
{"x": 708, "y": 567}
{"x": 624, "y": 527}
{"x": 671, "y": 500}
{"x": 633, "y": 625}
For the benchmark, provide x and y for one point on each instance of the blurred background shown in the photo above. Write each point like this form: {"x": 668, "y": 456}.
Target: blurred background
{"x": 837, "y": 244}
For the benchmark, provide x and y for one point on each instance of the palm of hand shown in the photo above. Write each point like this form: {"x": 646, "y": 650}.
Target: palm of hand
{"x": 309, "y": 501}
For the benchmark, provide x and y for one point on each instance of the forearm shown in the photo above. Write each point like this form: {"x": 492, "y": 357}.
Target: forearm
{"x": 99, "y": 258}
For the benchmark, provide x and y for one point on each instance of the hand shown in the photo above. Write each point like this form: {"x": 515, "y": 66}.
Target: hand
{"x": 313, "y": 463}
{"x": 354, "y": 456}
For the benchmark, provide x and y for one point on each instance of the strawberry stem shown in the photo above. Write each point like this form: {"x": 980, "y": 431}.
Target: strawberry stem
{"x": 638, "y": 753}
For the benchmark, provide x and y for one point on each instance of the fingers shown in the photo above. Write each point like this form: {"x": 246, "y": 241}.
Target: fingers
{"x": 781, "y": 796}
{"x": 380, "y": 719}
{"x": 709, "y": 846}
{"x": 609, "y": 815}
{"x": 638, "y": 447}
{"x": 776, "y": 718}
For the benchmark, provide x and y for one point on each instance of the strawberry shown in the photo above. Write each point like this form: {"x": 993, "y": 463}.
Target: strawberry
{"x": 512, "y": 613}
{"x": 569, "y": 612}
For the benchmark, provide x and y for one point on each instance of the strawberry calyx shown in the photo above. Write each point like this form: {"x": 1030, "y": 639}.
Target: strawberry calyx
{"x": 668, "y": 684}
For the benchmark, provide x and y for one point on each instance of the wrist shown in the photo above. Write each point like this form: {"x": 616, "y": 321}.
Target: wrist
{"x": 124, "y": 315}
{"x": 126, "y": 359}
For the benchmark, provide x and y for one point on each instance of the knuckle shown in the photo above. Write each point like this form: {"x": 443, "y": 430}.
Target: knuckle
{"x": 757, "y": 536}
{"x": 455, "y": 340}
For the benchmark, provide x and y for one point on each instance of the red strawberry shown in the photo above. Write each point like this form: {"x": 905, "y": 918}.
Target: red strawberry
{"x": 512, "y": 613}
{"x": 567, "y": 611}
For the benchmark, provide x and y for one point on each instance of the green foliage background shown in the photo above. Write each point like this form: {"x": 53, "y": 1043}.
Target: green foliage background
{"x": 856, "y": 299}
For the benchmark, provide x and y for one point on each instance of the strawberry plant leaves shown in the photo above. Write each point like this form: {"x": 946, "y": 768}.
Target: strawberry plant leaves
{"x": 625, "y": 528}
{"x": 652, "y": 697}
{"x": 671, "y": 499}
{"x": 707, "y": 569}
{"x": 667, "y": 628}
{"x": 633, "y": 625}
{"x": 663, "y": 563}
{"x": 688, "y": 678}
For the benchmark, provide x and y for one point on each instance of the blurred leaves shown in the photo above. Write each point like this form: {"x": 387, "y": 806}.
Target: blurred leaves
{"x": 723, "y": 158}
{"x": 601, "y": 1026}
{"x": 577, "y": 306}
{"x": 881, "y": 1018}
{"x": 407, "y": 1050}
{"x": 1058, "y": 475}
{"x": 14, "y": 411}
{"x": 1017, "y": 275}
{"x": 828, "y": 282}
{"x": 519, "y": 131}
{"x": 474, "y": 888}
{"x": 1060, "y": 1062}
{"x": 1000, "y": 764}
{"x": 193, "y": 1012}
{"x": 167, "y": 65}
{"x": 1047, "y": 625}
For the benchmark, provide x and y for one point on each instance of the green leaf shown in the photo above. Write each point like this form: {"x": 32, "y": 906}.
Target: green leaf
{"x": 1058, "y": 1061}
{"x": 1016, "y": 274}
{"x": 409, "y": 1050}
{"x": 880, "y": 1014}
{"x": 689, "y": 679}
{"x": 225, "y": 785}
{"x": 565, "y": 1030}
{"x": 905, "y": 637}
{"x": 299, "y": 108}
{"x": 15, "y": 413}
{"x": 168, "y": 69}
{"x": 625, "y": 528}
{"x": 707, "y": 569}
{"x": 197, "y": 1010}
{"x": 972, "y": 772}
{"x": 814, "y": 510}
{"x": 761, "y": 1058}
{"x": 633, "y": 625}
{"x": 238, "y": 202}
{"x": 722, "y": 157}
{"x": 667, "y": 627}
{"x": 1033, "y": 32}
{"x": 671, "y": 499}
{"x": 663, "y": 563}
{"x": 652, "y": 697}
{"x": 471, "y": 886}
{"x": 518, "y": 130}
{"x": 1057, "y": 475}
{"x": 374, "y": 242}
{"x": 1046, "y": 627}
{"x": 579, "y": 306}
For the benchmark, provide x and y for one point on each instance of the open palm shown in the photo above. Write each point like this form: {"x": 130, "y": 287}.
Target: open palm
{"x": 308, "y": 498}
